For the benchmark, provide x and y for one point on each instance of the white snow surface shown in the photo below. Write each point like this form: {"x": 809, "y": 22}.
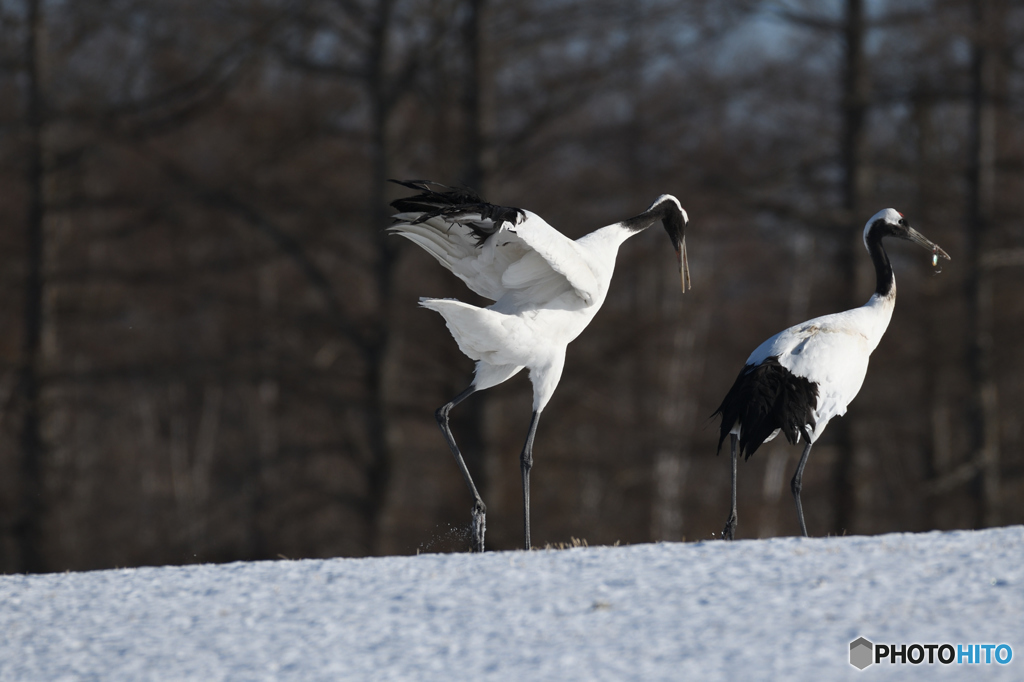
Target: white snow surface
{"x": 784, "y": 608}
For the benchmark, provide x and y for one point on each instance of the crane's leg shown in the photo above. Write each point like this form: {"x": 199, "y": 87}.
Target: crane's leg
{"x": 526, "y": 463}
{"x": 730, "y": 525}
{"x": 479, "y": 525}
{"x": 797, "y": 484}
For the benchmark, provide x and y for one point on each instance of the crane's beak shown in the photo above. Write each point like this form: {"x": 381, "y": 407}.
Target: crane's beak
{"x": 684, "y": 265}
{"x": 675, "y": 225}
{"x": 918, "y": 238}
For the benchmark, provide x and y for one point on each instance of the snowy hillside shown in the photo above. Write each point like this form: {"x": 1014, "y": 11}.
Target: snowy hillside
{"x": 772, "y": 609}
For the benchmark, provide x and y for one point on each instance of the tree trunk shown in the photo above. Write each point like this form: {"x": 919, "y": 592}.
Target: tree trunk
{"x": 983, "y": 416}
{"x": 938, "y": 452}
{"x": 376, "y": 349}
{"x": 468, "y": 420}
{"x": 856, "y": 182}
{"x": 473, "y": 166}
{"x": 27, "y": 526}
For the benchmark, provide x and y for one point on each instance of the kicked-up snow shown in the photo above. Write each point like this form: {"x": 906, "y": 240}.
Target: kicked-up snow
{"x": 781, "y": 609}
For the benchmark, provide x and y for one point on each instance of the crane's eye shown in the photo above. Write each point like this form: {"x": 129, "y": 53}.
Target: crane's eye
{"x": 903, "y": 222}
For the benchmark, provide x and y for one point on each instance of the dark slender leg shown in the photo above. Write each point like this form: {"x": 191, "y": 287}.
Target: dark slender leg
{"x": 526, "y": 463}
{"x": 796, "y": 485}
{"x": 730, "y": 525}
{"x": 479, "y": 526}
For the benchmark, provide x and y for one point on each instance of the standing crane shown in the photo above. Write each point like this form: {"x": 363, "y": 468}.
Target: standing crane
{"x": 546, "y": 289}
{"x": 799, "y": 379}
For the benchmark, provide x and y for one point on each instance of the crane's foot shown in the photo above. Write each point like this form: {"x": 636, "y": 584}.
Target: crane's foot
{"x": 478, "y": 528}
{"x": 730, "y": 527}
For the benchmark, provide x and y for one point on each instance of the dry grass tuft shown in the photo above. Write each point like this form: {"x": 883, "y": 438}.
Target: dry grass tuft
{"x": 573, "y": 542}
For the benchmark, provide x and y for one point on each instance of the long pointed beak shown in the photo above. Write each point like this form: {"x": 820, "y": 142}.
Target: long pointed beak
{"x": 675, "y": 225}
{"x": 918, "y": 238}
{"x": 684, "y": 265}
{"x": 673, "y": 217}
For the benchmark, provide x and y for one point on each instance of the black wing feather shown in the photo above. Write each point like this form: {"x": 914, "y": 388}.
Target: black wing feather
{"x": 765, "y": 397}
{"x": 454, "y": 204}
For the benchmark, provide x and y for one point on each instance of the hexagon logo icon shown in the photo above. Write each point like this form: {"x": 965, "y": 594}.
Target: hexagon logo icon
{"x": 861, "y": 651}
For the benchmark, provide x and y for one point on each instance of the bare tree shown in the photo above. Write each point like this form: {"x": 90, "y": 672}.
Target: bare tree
{"x": 856, "y": 181}
{"x": 27, "y": 527}
{"x": 987, "y": 88}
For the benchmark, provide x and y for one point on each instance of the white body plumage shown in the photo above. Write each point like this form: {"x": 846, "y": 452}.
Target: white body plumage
{"x": 546, "y": 289}
{"x": 831, "y": 351}
{"x": 797, "y": 381}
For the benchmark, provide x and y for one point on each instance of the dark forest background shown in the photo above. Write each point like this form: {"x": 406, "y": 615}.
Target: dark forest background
{"x": 210, "y": 351}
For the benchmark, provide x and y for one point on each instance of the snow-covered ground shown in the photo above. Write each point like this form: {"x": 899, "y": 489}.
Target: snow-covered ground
{"x": 750, "y": 610}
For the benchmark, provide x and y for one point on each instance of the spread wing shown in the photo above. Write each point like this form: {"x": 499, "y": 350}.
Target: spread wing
{"x": 495, "y": 250}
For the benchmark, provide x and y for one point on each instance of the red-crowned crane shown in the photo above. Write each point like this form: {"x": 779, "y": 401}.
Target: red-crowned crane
{"x": 799, "y": 379}
{"x": 546, "y": 287}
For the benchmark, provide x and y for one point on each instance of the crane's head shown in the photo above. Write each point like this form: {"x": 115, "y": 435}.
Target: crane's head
{"x": 891, "y": 223}
{"x": 674, "y": 218}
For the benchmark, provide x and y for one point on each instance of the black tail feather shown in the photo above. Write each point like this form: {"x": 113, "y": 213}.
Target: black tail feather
{"x": 766, "y": 397}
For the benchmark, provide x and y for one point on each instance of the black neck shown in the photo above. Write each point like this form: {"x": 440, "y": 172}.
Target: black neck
{"x": 641, "y": 222}
{"x": 885, "y": 282}
{"x": 664, "y": 211}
